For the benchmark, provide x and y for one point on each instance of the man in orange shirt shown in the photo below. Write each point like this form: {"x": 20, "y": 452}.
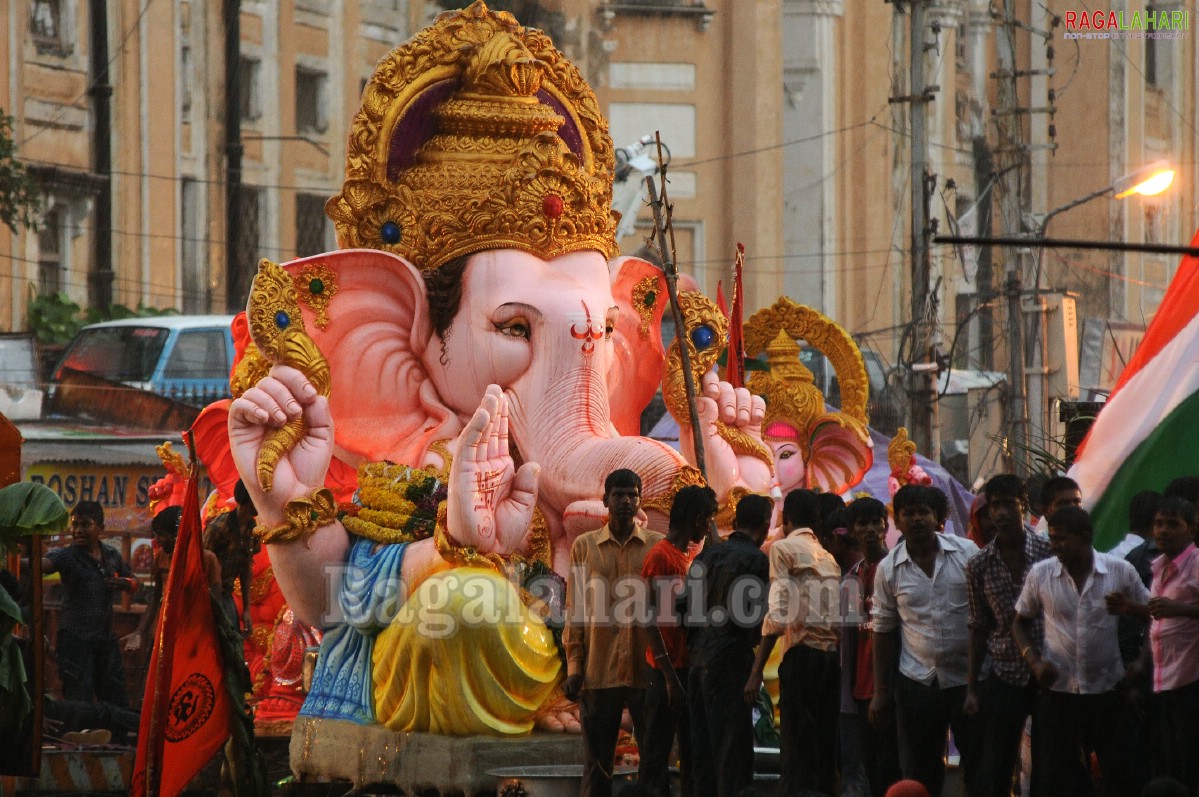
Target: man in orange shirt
{"x": 664, "y": 571}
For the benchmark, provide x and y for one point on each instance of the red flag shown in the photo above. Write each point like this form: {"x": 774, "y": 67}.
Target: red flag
{"x": 185, "y": 713}
{"x": 736, "y": 355}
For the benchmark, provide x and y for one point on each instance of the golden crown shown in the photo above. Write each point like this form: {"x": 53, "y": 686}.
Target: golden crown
{"x": 477, "y": 134}
{"x": 792, "y": 399}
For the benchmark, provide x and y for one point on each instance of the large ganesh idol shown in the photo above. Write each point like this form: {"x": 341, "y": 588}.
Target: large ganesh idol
{"x": 426, "y": 416}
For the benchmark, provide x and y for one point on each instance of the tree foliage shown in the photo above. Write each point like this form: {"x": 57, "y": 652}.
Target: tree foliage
{"x": 54, "y": 318}
{"x": 19, "y": 196}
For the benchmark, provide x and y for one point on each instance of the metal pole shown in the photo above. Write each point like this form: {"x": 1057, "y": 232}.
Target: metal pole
{"x": 662, "y": 222}
{"x": 1066, "y": 243}
{"x": 680, "y": 330}
{"x": 1012, "y": 204}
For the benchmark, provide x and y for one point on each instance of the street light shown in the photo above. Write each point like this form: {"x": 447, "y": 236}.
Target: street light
{"x": 1149, "y": 180}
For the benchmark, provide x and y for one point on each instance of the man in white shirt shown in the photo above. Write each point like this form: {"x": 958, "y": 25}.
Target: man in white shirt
{"x": 920, "y": 618}
{"x": 804, "y": 606}
{"x": 1078, "y": 666}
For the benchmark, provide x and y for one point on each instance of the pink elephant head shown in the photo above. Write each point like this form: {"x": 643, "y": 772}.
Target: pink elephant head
{"x": 411, "y": 355}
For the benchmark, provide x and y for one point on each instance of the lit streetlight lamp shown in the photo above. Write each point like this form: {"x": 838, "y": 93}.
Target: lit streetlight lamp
{"x": 1150, "y": 180}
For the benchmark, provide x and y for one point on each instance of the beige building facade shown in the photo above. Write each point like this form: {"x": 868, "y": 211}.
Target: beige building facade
{"x": 302, "y": 67}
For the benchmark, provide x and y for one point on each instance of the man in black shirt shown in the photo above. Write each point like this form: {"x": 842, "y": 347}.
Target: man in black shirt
{"x": 89, "y": 661}
{"x": 726, "y": 601}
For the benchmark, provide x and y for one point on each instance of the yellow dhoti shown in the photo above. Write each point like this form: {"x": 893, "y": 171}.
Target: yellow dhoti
{"x": 464, "y": 655}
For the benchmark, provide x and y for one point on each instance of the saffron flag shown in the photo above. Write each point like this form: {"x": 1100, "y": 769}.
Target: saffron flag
{"x": 185, "y": 713}
{"x": 1147, "y": 433}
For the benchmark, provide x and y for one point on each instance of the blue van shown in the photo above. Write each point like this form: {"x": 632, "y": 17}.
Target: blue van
{"x": 183, "y": 357}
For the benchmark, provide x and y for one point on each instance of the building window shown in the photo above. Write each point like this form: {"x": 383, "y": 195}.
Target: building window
{"x": 1159, "y": 57}
{"x": 50, "y": 248}
{"x": 47, "y": 23}
{"x": 251, "y": 106}
{"x": 185, "y": 74}
{"x": 313, "y": 228}
{"x": 311, "y": 115}
{"x": 1154, "y": 224}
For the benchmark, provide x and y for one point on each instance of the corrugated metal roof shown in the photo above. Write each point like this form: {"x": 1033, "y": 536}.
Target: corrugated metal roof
{"x": 139, "y": 453}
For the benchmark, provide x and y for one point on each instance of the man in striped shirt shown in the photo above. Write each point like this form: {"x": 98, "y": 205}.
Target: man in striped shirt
{"x": 994, "y": 580}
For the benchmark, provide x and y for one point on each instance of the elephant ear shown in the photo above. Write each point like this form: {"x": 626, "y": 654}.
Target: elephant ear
{"x": 840, "y": 452}
{"x": 367, "y": 312}
{"x": 639, "y": 289}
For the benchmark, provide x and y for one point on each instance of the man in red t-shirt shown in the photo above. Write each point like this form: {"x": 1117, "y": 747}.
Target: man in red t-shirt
{"x": 664, "y": 571}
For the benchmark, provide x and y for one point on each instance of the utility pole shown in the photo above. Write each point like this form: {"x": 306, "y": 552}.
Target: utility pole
{"x": 921, "y": 381}
{"x": 1017, "y": 406}
{"x": 100, "y": 277}
{"x": 236, "y": 277}
{"x": 1011, "y": 166}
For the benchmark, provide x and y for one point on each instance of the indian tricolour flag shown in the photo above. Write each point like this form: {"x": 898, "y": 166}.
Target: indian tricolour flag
{"x": 1148, "y": 432}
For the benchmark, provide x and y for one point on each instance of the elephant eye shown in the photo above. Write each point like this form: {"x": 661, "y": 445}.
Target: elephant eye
{"x": 516, "y": 328}
{"x": 787, "y": 454}
{"x": 608, "y": 331}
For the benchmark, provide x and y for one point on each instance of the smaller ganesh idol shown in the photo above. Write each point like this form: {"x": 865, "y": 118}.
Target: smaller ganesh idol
{"x": 814, "y": 447}
{"x": 905, "y": 469}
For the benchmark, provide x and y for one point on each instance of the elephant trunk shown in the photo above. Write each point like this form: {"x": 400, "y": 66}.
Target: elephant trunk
{"x": 566, "y": 428}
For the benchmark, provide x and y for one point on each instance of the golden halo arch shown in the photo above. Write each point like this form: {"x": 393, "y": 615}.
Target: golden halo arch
{"x": 820, "y": 332}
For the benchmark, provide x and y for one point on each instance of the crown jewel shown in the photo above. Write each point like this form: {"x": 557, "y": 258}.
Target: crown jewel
{"x": 477, "y": 134}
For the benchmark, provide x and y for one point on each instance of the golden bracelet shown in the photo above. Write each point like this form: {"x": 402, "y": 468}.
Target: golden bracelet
{"x": 461, "y": 555}
{"x": 303, "y": 516}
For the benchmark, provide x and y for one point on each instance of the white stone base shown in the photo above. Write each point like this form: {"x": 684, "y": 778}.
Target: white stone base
{"x": 370, "y": 754}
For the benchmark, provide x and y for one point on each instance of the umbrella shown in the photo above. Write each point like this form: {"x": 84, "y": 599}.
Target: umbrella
{"x": 30, "y": 508}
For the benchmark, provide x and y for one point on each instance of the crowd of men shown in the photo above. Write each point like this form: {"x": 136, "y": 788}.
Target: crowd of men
{"x": 893, "y": 662}
{"x": 1037, "y": 663}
